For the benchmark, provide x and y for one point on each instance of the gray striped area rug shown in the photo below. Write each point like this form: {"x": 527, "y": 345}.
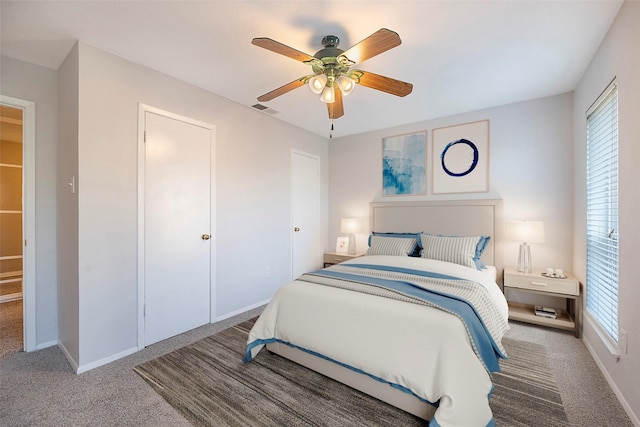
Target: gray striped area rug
{"x": 208, "y": 383}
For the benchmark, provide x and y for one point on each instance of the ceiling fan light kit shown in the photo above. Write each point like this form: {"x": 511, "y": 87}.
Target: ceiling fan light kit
{"x": 346, "y": 84}
{"x": 328, "y": 95}
{"x": 317, "y": 83}
{"x": 333, "y": 76}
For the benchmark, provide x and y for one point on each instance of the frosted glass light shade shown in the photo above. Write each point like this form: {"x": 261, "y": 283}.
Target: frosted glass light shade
{"x": 317, "y": 83}
{"x": 328, "y": 95}
{"x": 346, "y": 84}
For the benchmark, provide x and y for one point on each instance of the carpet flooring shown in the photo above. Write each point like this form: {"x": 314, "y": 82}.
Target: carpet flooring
{"x": 10, "y": 327}
{"x": 208, "y": 383}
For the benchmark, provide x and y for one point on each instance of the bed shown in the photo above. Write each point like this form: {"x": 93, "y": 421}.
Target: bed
{"x": 384, "y": 324}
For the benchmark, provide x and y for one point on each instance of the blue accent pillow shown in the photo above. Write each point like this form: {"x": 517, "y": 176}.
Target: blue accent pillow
{"x": 480, "y": 247}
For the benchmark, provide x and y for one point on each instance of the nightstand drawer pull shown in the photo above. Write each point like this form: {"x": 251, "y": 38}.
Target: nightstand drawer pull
{"x": 539, "y": 284}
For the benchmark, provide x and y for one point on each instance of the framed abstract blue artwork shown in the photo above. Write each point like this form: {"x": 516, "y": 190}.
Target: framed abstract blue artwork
{"x": 404, "y": 159}
{"x": 460, "y": 160}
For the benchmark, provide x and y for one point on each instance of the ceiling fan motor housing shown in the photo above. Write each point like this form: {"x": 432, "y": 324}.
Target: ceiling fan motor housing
{"x": 331, "y": 64}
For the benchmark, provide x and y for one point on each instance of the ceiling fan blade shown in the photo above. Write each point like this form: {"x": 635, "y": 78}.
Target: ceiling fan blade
{"x": 385, "y": 84}
{"x": 282, "y": 49}
{"x": 284, "y": 89}
{"x": 336, "y": 108}
{"x": 378, "y": 42}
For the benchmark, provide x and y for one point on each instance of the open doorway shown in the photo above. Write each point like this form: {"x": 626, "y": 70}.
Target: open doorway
{"x": 11, "y": 230}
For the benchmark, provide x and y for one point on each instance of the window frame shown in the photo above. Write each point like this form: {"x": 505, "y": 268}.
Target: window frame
{"x": 602, "y": 231}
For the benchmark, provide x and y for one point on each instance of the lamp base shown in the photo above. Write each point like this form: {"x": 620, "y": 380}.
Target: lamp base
{"x": 352, "y": 244}
{"x": 524, "y": 259}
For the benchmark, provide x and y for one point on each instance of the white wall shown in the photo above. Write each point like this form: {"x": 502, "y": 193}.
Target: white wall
{"x": 96, "y": 251}
{"x": 67, "y": 204}
{"x": 30, "y": 82}
{"x": 618, "y": 56}
{"x": 530, "y": 170}
{"x": 253, "y": 203}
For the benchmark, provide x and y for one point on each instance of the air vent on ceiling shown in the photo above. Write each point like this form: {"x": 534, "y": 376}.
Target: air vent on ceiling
{"x": 265, "y": 109}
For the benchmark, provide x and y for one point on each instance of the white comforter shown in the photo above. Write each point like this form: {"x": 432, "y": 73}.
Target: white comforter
{"x": 423, "y": 349}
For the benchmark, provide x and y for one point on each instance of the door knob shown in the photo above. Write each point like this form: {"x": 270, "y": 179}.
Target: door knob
{"x": 205, "y": 237}
{"x": 296, "y": 229}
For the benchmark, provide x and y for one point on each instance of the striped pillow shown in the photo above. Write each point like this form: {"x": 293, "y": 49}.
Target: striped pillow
{"x": 456, "y": 249}
{"x": 396, "y": 246}
{"x": 416, "y": 236}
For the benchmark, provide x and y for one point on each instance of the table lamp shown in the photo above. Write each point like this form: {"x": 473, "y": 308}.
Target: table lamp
{"x": 525, "y": 232}
{"x": 351, "y": 226}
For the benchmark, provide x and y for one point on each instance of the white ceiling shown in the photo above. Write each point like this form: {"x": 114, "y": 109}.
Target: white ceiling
{"x": 460, "y": 55}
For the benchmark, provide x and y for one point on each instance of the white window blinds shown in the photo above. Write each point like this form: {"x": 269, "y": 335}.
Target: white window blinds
{"x": 602, "y": 212}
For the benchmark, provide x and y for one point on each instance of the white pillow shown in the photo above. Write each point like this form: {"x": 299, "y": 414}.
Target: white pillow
{"x": 396, "y": 246}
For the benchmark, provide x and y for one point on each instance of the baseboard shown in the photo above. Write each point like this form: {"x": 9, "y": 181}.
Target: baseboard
{"x": 79, "y": 369}
{"x": 625, "y": 405}
{"x": 242, "y": 310}
{"x": 44, "y": 345}
{"x": 71, "y": 360}
{"x": 89, "y": 366}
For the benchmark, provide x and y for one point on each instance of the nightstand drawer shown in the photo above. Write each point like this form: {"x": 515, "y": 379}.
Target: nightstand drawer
{"x": 331, "y": 258}
{"x": 568, "y": 286}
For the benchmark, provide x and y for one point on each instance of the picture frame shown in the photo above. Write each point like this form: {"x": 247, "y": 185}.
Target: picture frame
{"x": 342, "y": 245}
{"x": 404, "y": 161}
{"x": 460, "y": 158}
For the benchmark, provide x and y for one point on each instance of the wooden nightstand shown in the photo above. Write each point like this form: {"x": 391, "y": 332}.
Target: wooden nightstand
{"x": 535, "y": 283}
{"x": 331, "y": 258}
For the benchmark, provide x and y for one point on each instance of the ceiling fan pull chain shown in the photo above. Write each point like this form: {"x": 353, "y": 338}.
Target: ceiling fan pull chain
{"x": 331, "y": 133}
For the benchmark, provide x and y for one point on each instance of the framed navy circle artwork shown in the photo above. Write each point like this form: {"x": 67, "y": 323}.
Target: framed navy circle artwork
{"x": 459, "y": 158}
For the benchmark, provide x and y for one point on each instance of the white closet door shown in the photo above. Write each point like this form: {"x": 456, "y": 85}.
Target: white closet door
{"x": 177, "y": 218}
{"x": 305, "y": 195}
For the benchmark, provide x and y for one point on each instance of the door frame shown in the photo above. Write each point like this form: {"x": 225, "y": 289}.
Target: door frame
{"x": 142, "y": 110}
{"x": 28, "y": 218}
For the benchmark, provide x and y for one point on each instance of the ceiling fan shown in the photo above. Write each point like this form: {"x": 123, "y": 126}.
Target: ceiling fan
{"x": 333, "y": 75}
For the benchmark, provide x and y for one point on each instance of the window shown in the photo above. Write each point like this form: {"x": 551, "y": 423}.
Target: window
{"x": 602, "y": 212}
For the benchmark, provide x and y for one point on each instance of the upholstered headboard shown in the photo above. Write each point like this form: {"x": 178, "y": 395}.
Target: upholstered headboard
{"x": 446, "y": 217}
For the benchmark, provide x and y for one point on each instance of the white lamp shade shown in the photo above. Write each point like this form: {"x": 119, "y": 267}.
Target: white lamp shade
{"x": 350, "y": 225}
{"x": 328, "y": 94}
{"x": 317, "y": 83}
{"x": 524, "y": 231}
{"x": 346, "y": 84}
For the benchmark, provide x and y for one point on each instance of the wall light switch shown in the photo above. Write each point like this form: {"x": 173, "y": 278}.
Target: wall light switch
{"x": 72, "y": 185}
